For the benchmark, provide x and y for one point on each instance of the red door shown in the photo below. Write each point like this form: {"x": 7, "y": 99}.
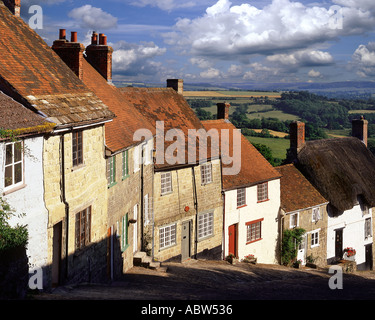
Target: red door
{"x": 232, "y": 231}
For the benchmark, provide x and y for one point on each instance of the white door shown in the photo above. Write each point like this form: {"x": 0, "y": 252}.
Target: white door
{"x": 135, "y": 229}
{"x": 301, "y": 253}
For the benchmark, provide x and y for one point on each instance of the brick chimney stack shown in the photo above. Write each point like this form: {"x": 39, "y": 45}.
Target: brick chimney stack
{"x": 360, "y": 129}
{"x": 297, "y": 137}
{"x": 176, "y": 84}
{"x": 14, "y": 6}
{"x": 99, "y": 55}
{"x": 223, "y": 111}
{"x": 70, "y": 52}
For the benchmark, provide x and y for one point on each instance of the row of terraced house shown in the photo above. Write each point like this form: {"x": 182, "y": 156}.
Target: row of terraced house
{"x": 83, "y": 168}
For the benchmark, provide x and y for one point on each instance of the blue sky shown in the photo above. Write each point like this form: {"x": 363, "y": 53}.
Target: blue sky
{"x": 219, "y": 41}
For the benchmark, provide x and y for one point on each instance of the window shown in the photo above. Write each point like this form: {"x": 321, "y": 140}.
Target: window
{"x": 254, "y": 231}
{"x": 167, "y": 236}
{"x": 293, "y": 220}
{"x": 206, "y": 173}
{"x": 166, "y": 183}
{"x": 241, "y": 197}
{"x": 314, "y": 239}
{"x": 205, "y": 225}
{"x": 125, "y": 164}
{"x": 13, "y": 164}
{"x": 111, "y": 171}
{"x": 77, "y": 148}
{"x": 316, "y": 214}
{"x": 125, "y": 227}
{"x": 147, "y": 205}
{"x": 367, "y": 228}
{"x": 83, "y": 228}
{"x": 263, "y": 192}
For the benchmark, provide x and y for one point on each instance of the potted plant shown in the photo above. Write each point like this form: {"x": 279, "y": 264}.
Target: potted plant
{"x": 250, "y": 258}
{"x": 349, "y": 254}
{"x": 297, "y": 264}
{"x": 231, "y": 258}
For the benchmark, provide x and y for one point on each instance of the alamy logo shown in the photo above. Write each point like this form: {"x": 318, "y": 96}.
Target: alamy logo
{"x": 336, "y": 281}
{"x": 224, "y": 144}
{"x": 36, "y": 20}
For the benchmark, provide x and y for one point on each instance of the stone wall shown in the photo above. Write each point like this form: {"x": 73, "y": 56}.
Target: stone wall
{"x": 181, "y": 206}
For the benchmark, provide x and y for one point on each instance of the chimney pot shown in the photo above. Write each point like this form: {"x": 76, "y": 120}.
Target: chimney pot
{"x": 74, "y": 37}
{"x": 62, "y": 35}
{"x": 297, "y": 137}
{"x": 14, "y": 6}
{"x": 360, "y": 129}
{"x": 94, "y": 38}
{"x": 223, "y": 111}
{"x": 102, "y": 39}
{"x": 176, "y": 84}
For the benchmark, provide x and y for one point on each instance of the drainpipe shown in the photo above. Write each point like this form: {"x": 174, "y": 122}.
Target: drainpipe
{"x": 63, "y": 195}
{"x": 196, "y": 211}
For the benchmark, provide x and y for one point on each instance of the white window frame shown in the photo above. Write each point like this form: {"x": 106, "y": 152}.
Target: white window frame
{"x": 205, "y": 225}
{"x": 166, "y": 183}
{"x": 147, "y": 207}
{"x": 206, "y": 173}
{"x": 291, "y": 219}
{"x": 13, "y": 165}
{"x": 315, "y": 238}
{"x": 262, "y": 192}
{"x": 241, "y": 197}
{"x": 316, "y": 214}
{"x": 111, "y": 171}
{"x": 167, "y": 236}
{"x": 368, "y": 228}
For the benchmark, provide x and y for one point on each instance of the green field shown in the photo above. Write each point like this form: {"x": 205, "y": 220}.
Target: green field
{"x": 278, "y": 146}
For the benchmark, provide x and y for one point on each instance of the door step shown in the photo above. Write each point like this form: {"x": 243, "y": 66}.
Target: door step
{"x": 141, "y": 259}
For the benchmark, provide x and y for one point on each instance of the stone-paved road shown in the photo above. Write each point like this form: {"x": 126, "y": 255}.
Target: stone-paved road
{"x": 219, "y": 280}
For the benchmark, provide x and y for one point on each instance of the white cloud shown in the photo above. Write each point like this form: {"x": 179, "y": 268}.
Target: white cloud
{"x": 211, "y": 73}
{"x": 201, "y": 63}
{"x": 134, "y": 59}
{"x": 166, "y": 5}
{"x": 93, "y": 18}
{"x": 364, "y": 60}
{"x": 314, "y": 74}
{"x": 229, "y": 31}
{"x": 303, "y": 58}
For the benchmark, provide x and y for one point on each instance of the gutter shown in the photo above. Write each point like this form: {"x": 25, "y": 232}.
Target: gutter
{"x": 63, "y": 195}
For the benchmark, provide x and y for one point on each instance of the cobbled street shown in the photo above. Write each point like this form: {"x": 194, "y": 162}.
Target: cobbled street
{"x": 219, "y": 280}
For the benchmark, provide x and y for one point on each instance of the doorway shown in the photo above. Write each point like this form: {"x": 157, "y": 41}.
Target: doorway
{"x": 338, "y": 244}
{"x": 185, "y": 240}
{"x": 232, "y": 233}
{"x": 301, "y": 253}
{"x": 368, "y": 256}
{"x": 56, "y": 254}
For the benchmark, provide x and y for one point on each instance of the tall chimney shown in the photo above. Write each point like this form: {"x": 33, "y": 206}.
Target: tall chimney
{"x": 297, "y": 137}
{"x": 223, "y": 110}
{"x": 99, "y": 55}
{"x": 70, "y": 52}
{"x": 360, "y": 129}
{"x": 14, "y": 6}
{"x": 176, "y": 84}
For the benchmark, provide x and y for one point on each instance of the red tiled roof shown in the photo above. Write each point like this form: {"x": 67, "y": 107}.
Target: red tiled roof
{"x": 254, "y": 167}
{"x": 119, "y": 132}
{"x": 34, "y": 74}
{"x": 296, "y": 191}
{"x": 18, "y": 120}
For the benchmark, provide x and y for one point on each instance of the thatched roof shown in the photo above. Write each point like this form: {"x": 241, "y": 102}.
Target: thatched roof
{"x": 342, "y": 169}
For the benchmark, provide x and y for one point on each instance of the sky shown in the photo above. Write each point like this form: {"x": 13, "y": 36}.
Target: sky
{"x": 222, "y": 41}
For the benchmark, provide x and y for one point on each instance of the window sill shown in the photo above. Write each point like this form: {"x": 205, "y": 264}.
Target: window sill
{"x": 112, "y": 184}
{"x": 206, "y": 237}
{"x": 77, "y": 167}
{"x": 166, "y": 193}
{"x": 260, "y": 201}
{"x": 123, "y": 249}
{"x": 14, "y": 189}
{"x": 125, "y": 177}
{"x": 243, "y": 206}
{"x": 254, "y": 241}
{"x": 206, "y": 183}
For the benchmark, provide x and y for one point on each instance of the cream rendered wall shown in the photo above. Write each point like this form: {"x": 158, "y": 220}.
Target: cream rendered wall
{"x": 353, "y": 223}
{"x": 29, "y": 200}
{"x": 265, "y": 249}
